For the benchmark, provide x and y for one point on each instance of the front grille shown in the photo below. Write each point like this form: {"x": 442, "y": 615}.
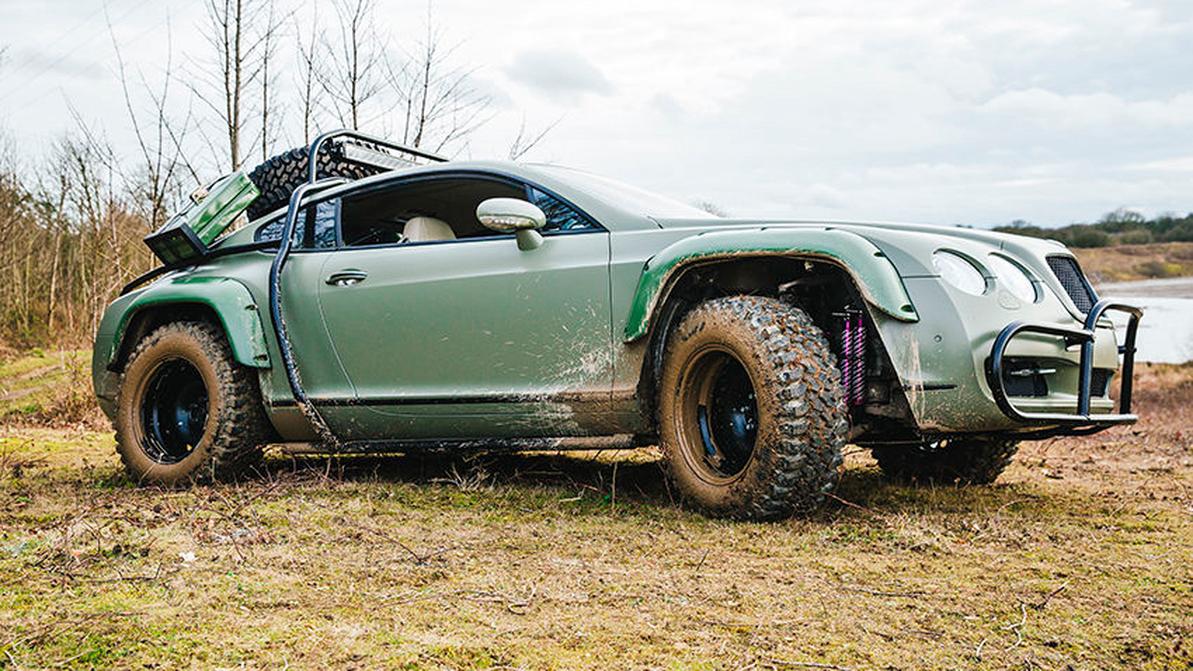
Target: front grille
{"x": 1069, "y": 273}
{"x": 1023, "y": 378}
{"x": 1099, "y": 381}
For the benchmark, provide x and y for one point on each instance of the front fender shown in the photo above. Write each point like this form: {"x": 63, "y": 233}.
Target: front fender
{"x": 874, "y": 274}
{"x": 227, "y": 298}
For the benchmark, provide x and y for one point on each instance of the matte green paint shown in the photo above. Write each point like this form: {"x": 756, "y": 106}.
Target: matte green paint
{"x": 474, "y": 319}
{"x": 876, "y": 277}
{"x": 229, "y": 299}
{"x": 208, "y": 217}
{"x": 547, "y": 341}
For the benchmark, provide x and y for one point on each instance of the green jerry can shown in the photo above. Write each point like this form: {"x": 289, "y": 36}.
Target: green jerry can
{"x": 187, "y": 235}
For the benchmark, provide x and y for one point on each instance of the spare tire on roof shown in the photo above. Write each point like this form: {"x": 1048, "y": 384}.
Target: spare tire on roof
{"x": 279, "y": 176}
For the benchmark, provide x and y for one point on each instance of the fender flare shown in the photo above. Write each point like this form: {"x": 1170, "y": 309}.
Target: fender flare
{"x": 873, "y": 273}
{"x": 229, "y": 299}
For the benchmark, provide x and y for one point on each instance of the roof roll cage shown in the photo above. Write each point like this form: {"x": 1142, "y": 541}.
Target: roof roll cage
{"x": 366, "y": 155}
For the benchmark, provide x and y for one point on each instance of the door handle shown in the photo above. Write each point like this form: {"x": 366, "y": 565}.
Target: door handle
{"x": 346, "y": 278}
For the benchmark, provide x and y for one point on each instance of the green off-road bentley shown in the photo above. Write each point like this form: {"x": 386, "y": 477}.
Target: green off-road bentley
{"x": 382, "y": 299}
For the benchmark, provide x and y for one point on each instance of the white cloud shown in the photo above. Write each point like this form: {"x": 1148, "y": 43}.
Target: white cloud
{"x": 963, "y": 112}
{"x": 825, "y": 196}
{"x": 1091, "y": 110}
{"x": 558, "y": 73}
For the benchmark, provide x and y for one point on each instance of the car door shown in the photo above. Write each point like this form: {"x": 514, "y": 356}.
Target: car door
{"x": 468, "y": 337}
{"x": 318, "y": 366}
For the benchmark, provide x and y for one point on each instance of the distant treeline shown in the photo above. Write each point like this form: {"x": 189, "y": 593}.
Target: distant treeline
{"x": 1121, "y": 227}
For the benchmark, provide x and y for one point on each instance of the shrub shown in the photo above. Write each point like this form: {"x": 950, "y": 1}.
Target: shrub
{"x": 1087, "y": 237}
{"x": 1158, "y": 269}
{"x": 1135, "y": 237}
{"x": 1182, "y": 232}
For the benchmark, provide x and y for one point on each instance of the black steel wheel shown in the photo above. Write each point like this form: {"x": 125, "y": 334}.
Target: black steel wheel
{"x": 718, "y": 397}
{"x": 173, "y": 411}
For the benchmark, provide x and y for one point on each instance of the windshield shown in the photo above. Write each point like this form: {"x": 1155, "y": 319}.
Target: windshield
{"x": 626, "y": 196}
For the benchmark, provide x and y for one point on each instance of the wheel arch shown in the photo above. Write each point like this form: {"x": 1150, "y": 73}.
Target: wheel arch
{"x": 763, "y": 273}
{"x": 871, "y": 272}
{"x": 224, "y": 302}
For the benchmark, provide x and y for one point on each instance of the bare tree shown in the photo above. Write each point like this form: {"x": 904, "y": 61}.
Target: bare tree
{"x": 308, "y": 71}
{"x": 353, "y": 74}
{"x": 271, "y": 113}
{"x": 439, "y": 104}
{"x": 224, "y": 80}
{"x": 159, "y": 176}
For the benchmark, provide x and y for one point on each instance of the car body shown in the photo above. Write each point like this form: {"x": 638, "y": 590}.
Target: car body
{"x": 476, "y": 341}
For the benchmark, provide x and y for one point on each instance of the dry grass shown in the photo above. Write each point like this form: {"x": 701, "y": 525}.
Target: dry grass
{"x": 1123, "y": 263}
{"x": 1079, "y": 558}
{"x": 40, "y": 388}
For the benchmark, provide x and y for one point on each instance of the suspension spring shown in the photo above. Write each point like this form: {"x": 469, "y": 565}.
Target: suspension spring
{"x": 852, "y": 349}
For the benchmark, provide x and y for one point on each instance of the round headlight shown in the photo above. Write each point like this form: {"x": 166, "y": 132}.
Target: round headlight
{"x": 959, "y": 272}
{"x": 1012, "y": 278}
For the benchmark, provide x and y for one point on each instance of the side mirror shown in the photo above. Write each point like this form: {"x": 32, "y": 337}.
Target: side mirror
{"x": 510, "y": 215}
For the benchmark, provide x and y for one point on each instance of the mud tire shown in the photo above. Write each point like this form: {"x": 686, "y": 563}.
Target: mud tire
{"x": 235, "y": 427}
{"x": 277, "y": 177}
{"x": 964, "y": 461}
{"x": 801, "y": 418}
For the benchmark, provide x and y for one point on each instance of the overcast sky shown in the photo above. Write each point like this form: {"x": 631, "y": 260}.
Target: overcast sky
{"x": 972, "y": 113}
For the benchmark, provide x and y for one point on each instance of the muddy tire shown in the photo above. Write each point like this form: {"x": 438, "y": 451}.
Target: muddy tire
{"x": 277, "y": 177}
{"x": 186, "y": 411}
{"x": 752, "y": 418}
{"x": 965, "y": 461}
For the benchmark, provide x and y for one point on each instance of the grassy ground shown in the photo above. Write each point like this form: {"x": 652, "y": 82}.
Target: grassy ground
{"x": 1124, "y": 263}
{"x": 1080, "y": 557}
{"x": 41, "y": 388}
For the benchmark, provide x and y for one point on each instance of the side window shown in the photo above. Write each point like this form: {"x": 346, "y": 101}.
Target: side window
{"x": 321, "y": 228}
{"x": 440, "y": 209}
{"x": 560, "y": 215}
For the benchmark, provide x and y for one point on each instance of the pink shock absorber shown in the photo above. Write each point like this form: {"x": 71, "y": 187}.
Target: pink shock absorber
{"x": 858, "y": 368}
{"x": 847, "y": 358}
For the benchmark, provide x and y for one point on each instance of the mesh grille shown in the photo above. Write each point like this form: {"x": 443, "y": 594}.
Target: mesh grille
{"x": 1069, "y": 274}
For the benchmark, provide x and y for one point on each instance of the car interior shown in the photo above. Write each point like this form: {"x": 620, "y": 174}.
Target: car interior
{"x": 430, "y": 211}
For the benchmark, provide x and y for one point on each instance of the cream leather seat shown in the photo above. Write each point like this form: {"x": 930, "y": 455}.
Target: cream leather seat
{"x": 427, "y": 229}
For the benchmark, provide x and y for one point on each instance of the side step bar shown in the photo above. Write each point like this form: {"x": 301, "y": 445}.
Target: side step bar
{"x": 615, "y": 442}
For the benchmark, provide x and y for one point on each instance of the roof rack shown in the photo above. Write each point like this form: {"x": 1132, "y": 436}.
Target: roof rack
{"x": 357, "y": 153}
{"x": 190, "y": 236}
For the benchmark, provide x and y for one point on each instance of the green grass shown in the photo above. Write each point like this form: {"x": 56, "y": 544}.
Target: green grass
{"x": 39, "y": 386}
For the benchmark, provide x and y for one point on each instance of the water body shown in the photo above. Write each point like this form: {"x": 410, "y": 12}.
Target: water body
{"x": 1166, "y": 331}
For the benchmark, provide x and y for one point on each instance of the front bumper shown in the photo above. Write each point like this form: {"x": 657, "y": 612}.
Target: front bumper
{"x": 1082, "y": 420}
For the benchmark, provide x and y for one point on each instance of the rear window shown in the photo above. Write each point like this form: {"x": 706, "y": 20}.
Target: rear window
{"x": 322, "y": 230}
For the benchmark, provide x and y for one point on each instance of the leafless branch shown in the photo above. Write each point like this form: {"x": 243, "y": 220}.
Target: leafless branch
{"x": 351, "y": 77}
{"x": 525, "y": 140}
{"x": 438, "y": 103}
